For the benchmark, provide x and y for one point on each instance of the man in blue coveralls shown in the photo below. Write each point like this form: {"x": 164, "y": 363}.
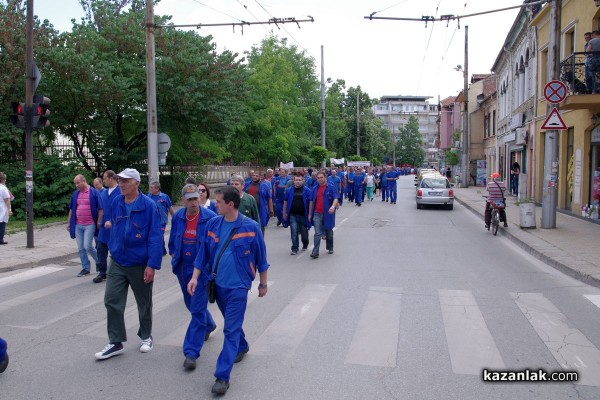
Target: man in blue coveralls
{"x": 392, "y": 177}
{"x": 188, "y": 228}
{"x": 262, "y": 193}
{"x": 337, "y": 183}
{"x": 359, "y": 181}
{"x": 165, "y": 207}
{"x": 232, "y": 251}
{"x": 279, "y": 185}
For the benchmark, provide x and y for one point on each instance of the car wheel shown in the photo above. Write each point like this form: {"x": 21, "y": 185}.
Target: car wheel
{"x": 449, "y": 206}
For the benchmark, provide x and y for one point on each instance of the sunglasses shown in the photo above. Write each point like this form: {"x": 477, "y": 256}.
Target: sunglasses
{"x": 202, "y": 190}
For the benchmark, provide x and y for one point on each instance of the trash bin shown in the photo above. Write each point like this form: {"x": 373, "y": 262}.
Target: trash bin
{"x": 527, "y": 215}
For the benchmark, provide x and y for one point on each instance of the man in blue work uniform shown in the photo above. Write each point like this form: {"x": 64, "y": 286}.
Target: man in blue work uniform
{"x": 392, "y": 177}
{"x": 109, "y": 178}
{"x": 350, "y": 185}
{"x": 321, "y": 213}
{"x": 337, "y": 183}
{"x": 233, "y": 250}
{"x": 135, "y": 246}
{"x": 359, "y": 181}
{"x": 262, "y": 193}
{"x": 295, "y": 213}
{"x": 279, "y": 185}
{"x": 188, "y": 229}
{"x": 384, "y": 186}
{"x": 165, "y": 207}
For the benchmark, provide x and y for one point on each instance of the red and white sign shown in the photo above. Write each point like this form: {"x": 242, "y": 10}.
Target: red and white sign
{"x": 554, "y": 122}
{"x": 555, "y": 92}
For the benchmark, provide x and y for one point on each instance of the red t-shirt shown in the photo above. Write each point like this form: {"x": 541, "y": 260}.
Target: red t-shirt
{"x": 190, "y": 227}
{"x": 319, "y": 203}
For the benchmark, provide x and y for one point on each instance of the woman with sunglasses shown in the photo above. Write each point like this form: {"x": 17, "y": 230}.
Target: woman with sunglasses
{"x": 205, "y": 200}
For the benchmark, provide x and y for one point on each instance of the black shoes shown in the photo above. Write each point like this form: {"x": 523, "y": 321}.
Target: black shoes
{"x": 99, "y": 278}
{"x": 4, "y": 364}
{"x": 313, "y": 255}
{"x": 304, "y": 246}
{"x": 240, "y": 356}
{"x": 189, "y": 363}
{"x": 83, "y": 272}
{"x": 293, "y": 252}
{"x": 207, "y": 334}
{"x": 505, "y": 225}
{"x": 330, "y": 251}
{"x": 220, "y": 387}
{"x": 111, "y": 350}
{"x": 3, "y": 242}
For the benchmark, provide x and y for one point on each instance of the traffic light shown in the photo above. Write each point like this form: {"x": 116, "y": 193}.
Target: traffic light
{"x": 18, "y": 114}
{"x": 40, "y": 112}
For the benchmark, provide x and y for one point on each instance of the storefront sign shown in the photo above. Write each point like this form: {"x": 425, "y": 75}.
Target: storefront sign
{"x": 520, "y": 135}
{"x": 509, "y": 138}
{"x": 515, "y": 121}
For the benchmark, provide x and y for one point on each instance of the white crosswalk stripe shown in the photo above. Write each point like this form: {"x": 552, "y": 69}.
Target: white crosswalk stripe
{"x": 470, "y": 343}
{"x": 571, "y": 349}
{"x": 38, "y": 294}
{"x": 594, "y": 298}
{"x": 375, "y": 340}
{"x": 29, "y": 274}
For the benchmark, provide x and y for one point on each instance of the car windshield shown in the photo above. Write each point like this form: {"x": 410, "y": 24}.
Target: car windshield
{"x": 433, "y": 183}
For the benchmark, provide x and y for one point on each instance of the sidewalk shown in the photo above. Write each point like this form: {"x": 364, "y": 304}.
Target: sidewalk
{"x": 572, "y": 247}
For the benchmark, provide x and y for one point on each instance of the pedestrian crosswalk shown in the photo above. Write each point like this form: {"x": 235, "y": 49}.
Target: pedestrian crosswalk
{"x": 375, "y": 339}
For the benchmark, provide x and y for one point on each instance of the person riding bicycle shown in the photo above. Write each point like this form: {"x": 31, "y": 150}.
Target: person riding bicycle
{"x": 495, "y": 190}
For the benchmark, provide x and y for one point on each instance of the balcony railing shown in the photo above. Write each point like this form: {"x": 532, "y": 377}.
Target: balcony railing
{"x": 572, "y": 73}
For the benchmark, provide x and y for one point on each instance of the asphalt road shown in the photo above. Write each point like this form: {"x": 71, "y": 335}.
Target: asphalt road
{"x": 414, "y": 304}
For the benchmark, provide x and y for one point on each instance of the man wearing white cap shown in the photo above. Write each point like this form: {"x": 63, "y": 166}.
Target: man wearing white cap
{"x": 135, "y": 245}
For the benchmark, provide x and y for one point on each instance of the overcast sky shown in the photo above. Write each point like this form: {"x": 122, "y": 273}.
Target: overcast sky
{"x": 384, "y": 57}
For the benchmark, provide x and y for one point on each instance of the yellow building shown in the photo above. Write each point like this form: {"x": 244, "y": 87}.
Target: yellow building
{"x": 579, "y": 145}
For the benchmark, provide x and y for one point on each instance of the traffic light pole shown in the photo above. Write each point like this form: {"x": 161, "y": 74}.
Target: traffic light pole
{"x": 29, "y": 81}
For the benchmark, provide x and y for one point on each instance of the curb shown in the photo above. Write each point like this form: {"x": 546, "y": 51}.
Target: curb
{"x": 564, "y": 268}
{"x": 39, "y": 263}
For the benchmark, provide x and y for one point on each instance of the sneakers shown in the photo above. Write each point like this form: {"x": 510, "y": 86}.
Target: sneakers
{"x": 220, "y": 386}
{"x": 83, "y": 272}
{"x": 146, "y": 345}
{"x": 207, "y": 334}
{"x": 111, "y": 350}
{"x": 293, "y": 252}
{"x": 314, "y": 255}
{"x": 189, "y": 363}
{"x": 240, "y": 356}
{"x": 99, "y": 278}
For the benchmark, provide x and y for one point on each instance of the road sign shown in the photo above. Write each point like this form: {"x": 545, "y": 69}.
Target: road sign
{"x": 164, "y": 142}
{"x": 555, "y": 92}
{"x": 554, "y": 121}
{"x": 37, "y": 76}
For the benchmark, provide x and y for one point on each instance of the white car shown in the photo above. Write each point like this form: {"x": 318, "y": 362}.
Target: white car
{"x": 435, "y": 190}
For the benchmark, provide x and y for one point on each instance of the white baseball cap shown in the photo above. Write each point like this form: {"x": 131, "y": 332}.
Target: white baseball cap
{"x": 130, "y": 173}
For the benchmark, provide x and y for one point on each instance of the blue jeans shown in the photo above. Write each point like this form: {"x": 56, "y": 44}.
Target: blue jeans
{"x": 319, "y": 232}
{"x": 298, "y": 225}
{"x": 232, "y": 303}
{"x": 515, "y": 184}
{"x": 84, "y": 234}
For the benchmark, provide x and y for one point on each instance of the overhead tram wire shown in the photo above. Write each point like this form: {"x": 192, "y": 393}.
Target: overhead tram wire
{"x": 426, "y": 49}
{"x": 250, "y": 12}
{"x": 285, "y": 30}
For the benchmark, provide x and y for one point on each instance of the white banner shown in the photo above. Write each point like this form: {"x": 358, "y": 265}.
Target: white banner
{"x": 336, "y": 161}
{"x": 359, "y": 163}
{"x": 286, "y": 166}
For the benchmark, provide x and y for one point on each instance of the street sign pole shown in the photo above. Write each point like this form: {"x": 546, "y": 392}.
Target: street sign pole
{"x": 30, "y": 80}
{"x": 550, "y": 179}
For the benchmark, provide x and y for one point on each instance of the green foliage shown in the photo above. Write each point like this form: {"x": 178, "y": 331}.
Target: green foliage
{"x": 53, "y": 186}
{"x": 408, "y": 147}
{"x": 318, "y": 154}
{"x": 355, "y": 157}
{"x": 452, "y": 157}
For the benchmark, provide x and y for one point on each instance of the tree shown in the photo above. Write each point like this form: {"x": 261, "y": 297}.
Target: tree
{"x": 408, "y": 147}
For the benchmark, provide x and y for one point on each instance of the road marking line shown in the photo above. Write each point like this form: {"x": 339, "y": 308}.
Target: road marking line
{"x": 29, "y": 297}
{"x": 470, "y": 343}
{"x": 594, "y": 298}
{"x": 286, "y": 332}
{"x": 375, "y": 340}
{"x": 571, "y": 349}
{"x": 29, "y": 274}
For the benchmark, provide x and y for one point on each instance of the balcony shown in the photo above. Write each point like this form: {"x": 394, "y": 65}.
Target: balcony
{"x": 572, "y": 73}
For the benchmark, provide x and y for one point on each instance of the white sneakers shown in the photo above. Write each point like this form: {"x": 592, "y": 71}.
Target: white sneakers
{"x": 146, "y": 345}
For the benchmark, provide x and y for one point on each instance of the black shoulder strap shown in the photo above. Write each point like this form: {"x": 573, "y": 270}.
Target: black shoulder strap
{"x": 501, "y": 191}
{"x": 233, "y": 232}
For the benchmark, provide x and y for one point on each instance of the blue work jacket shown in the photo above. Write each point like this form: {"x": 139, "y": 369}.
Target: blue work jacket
{"x": 279, "y": 189}
{"x": 330, "y": 195}
{"x": 95, "y": 205}
{"x": 265, "y": 194}
{"x": 247, "y": 245}
{"x": 289, "y": 197}
{"x": 138, "y": 239}
{"x": 359, "y": 179}
{"x": 178, "y": 225}
{"x": 106, "y": 200}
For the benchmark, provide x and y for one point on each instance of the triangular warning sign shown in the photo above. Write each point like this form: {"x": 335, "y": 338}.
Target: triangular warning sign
{"x": 554, "y": 121}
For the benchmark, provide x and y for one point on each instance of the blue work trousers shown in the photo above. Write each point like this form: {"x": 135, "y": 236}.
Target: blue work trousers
{"x": 84, "y": 234}
{"x": 232, "y": 303}
{"x": 298, "y": 226}
{"x": 102, "y": 254}
{"x": 350, "y": 192}
{"x": 3, "y": 347}
{"x": 358, "y": 194}
{"x": 393, "y": 193}
{"x": 202, "y": 321}
{"x": 384, "y": 193}
{"x": 279, "y": 211}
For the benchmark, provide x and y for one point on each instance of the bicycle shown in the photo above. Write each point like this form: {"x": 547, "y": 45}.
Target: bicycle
{"x": 497, "y": 207}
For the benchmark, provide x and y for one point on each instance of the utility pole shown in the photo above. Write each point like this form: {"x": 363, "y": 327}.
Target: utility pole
{"x": 151, "y": 94}
{"x": 29, "y": 79}
{"x": 358, "y": 123}
{"x": 323, "y": 102}
{"x": 550, "y": 181}
{"x": 466, "y": 162}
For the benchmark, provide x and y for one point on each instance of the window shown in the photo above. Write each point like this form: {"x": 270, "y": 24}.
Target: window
{"x": 543, "y": 71}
